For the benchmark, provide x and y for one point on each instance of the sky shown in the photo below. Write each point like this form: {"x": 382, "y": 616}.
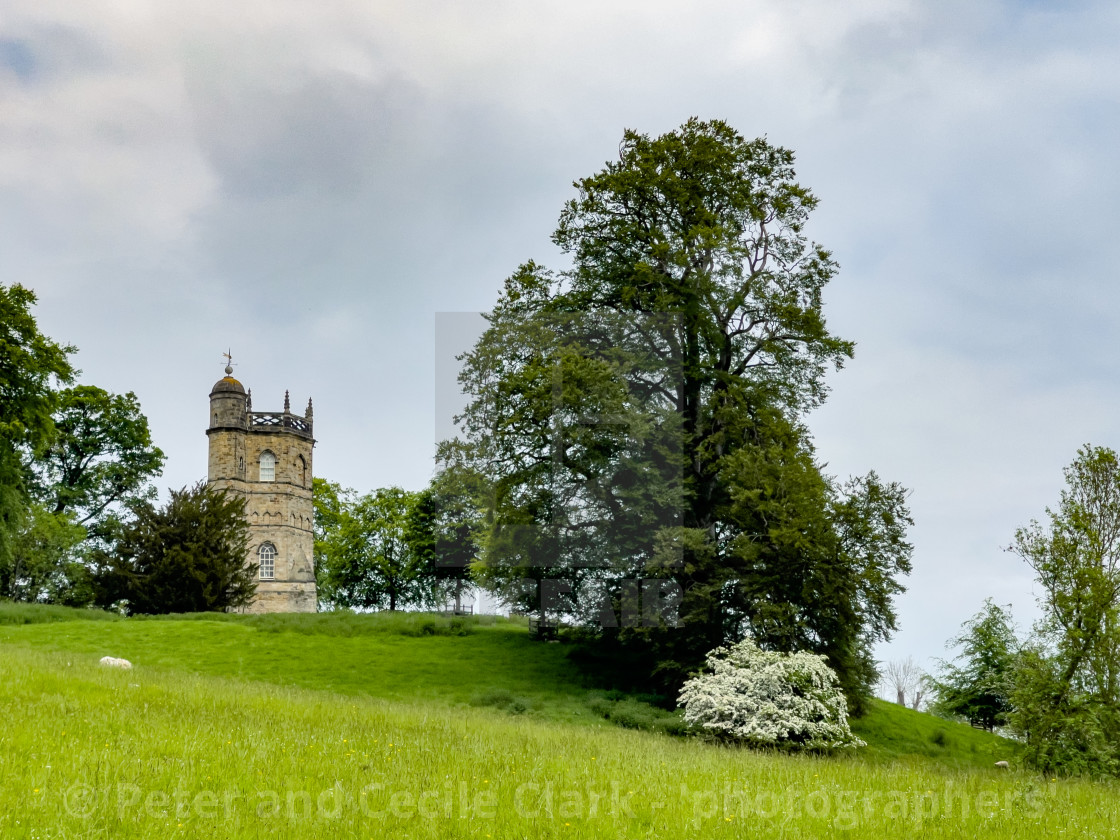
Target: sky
{"x": 311, "y": 185}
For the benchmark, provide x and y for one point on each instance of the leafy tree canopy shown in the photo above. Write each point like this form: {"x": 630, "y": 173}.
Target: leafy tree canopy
{"x": 1067, "y": 690}
{"x": 368, "y": 562}
{"x": 44, "y": 566}
{"x": 187, "y": 556}
{"x": 639, "y": 416}
{"x": 102, "y": 454}
{"x": 30, "y": 363}
{"x": 442, "y": 532}
{"x": 331, "y": 502}
{"x": 979, "y": 687}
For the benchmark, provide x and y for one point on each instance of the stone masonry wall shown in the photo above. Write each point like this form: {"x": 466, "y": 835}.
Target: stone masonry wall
{"x": 279, "y": 512}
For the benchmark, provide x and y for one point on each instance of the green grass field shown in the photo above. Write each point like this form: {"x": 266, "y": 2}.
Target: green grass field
{"x": 412, "y": 726}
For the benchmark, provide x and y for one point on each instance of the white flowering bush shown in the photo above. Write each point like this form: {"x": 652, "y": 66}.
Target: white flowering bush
{"x": 788, "y": 700}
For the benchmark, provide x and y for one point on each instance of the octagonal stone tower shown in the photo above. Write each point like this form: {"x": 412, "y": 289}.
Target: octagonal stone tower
{"x": 265, "y": 456}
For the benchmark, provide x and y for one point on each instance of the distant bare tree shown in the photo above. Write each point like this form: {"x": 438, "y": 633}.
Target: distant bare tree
{"x": 905, "y": 678}
{"x": 918, "y": 694}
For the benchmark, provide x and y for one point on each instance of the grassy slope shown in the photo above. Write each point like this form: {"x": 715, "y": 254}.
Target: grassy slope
{"x": 389, "y": 657}
{"x": 401, "y": 658}
{"x": 159, "y": 729}
{"x": 896, "y": 733}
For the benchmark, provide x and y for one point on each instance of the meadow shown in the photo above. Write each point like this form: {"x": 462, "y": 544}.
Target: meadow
{"x": 371, "y": 726}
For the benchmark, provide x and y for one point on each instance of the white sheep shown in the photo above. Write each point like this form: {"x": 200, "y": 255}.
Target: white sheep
{"x": 114, "y": 662}
{"x": 1003, "y": 765}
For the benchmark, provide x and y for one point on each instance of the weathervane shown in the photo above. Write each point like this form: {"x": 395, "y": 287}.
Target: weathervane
{"x": 229, "y": 363}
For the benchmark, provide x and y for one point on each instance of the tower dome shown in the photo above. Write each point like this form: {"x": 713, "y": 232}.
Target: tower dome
{"x": 228, "y": 403}
{"x": 227, "y": 385}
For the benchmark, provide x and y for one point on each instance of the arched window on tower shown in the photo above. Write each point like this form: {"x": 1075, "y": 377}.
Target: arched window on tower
{"x": 301, "y": 467}
{"x": 268, "y": 466}
{"x": 266, "y": 555}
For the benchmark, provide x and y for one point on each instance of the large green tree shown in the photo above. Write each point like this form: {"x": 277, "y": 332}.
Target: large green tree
{"x": 186, "y": 556}
{"x": 1067, "y": 692}
{"x": 45, "y": 564}
{"x": 638, "y": 417}
{"x": 978, "y": 684}
{"x": 31, "y": 365}
{"x": 101, "y": 455}
{"x": 368, "y": 560}
{"x": 442, "y": 532}
{"x": 332, "y": 503}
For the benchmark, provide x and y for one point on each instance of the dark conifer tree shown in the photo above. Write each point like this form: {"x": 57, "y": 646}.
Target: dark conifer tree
{"x": 187, "y": 556}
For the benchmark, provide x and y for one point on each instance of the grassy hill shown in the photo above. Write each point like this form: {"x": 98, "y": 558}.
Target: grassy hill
{"x": 298, "y": 726}
{"x": 404, "y": 656}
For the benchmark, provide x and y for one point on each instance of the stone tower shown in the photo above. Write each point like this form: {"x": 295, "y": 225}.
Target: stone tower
{"x": 265, "y": 456}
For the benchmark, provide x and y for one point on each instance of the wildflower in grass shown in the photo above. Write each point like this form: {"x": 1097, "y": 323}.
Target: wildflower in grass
{"x": 764, "y": 698}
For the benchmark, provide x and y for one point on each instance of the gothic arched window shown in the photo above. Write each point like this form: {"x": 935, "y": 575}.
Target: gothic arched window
{"x": 301, "y": 466}
{"x": 266, "y": 554}
{"x": 268, "y": 466}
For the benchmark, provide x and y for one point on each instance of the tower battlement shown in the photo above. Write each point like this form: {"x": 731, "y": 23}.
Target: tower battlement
{"x": 283, "y": 420}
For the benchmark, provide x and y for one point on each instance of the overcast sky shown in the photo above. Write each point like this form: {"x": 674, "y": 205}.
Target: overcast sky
{"x": 309, "y": 184}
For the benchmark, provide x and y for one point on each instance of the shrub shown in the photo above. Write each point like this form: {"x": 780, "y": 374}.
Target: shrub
{"x": 767, "y": 699}
{"x": 498, "y": 697}
{"x": 633, "y": 715}
{"x": 636, "y": 711}
{"x": 599, "y": 704}
{"x": 673, "y": 724}
{"x": 458, "y": 627}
